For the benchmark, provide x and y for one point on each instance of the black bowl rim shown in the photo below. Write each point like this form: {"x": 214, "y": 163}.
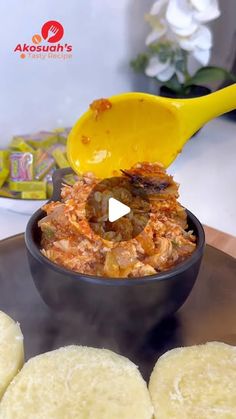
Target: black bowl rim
{"x": 99, "y": 280}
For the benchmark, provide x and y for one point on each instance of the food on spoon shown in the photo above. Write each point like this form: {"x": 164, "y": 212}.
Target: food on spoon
{"x": 99, "y": 106}
{"x": 195, "y": 382}
{"x": 77, "y": 382}
{"x": 85, "y": 139}
{"x": 69, "y": 241}
{"x": 11, "y": 351}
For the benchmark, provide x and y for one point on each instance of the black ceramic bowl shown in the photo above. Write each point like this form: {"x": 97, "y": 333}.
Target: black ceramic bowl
{"x": 128, "y": 306}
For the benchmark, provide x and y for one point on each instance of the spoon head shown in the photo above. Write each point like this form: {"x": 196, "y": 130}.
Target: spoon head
{"x": 116, "y": 133}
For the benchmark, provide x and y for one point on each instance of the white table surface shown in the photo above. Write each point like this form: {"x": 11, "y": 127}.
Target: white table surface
{"x": 206, "y": 171}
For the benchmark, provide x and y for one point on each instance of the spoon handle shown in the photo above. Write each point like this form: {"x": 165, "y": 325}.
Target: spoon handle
{"x": 220, "y": 102}
{"x": 197, "y": 112}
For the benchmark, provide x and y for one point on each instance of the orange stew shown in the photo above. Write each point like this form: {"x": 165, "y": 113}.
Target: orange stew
{"x": 99, "y": 106}
{"x": 69, "y": 241}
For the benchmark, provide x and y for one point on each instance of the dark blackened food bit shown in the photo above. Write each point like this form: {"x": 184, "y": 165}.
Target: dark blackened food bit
{"x": 154, "y": 185}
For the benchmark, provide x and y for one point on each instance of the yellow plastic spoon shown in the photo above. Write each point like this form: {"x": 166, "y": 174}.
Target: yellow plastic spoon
{"x": 141, "y": 127}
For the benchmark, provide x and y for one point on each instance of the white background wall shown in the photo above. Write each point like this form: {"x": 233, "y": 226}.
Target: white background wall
{"x": 106, "y": 35}
{"x": 39, "y": 94}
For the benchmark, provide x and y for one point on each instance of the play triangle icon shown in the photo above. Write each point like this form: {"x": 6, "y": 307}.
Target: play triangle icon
{"x": 116, "y": 210}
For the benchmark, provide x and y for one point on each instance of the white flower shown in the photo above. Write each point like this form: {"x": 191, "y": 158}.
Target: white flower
{"x": 200, "y": 43}
{"x": 182, "y": 22}
{"x": 158, "y": 7}
{"x": 159, "y": 27}
{"x": 157, "y": 21}
{"x": 162, "y": 71}
{"x": 203, "y": 56}
{"x": 185, "y": 14}
{"x": 206, "y": 10}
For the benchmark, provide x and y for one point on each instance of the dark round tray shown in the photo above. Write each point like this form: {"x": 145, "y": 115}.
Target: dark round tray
{"x": 209, "y": 313}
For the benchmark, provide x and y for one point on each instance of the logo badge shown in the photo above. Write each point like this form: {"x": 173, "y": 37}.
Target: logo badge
{"x": 47, "y": 44}
{"x": 52, "y": 31}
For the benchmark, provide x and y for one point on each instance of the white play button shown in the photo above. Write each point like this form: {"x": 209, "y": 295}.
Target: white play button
{"x": 116, "y": 210}
{"x": 125, "y": 206}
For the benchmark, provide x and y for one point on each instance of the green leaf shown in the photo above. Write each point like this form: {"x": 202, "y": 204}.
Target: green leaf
{"x": 180, "y": 65}
{"x": 174, "y": 84}
{"x": 232, "y": 77}
{"x": 140, "y": 63}
{"x": 209, "y": 74}
{"x": 154, "y": 48}
{"x": 163, "y": 50}
{"x": 164, "y": 55}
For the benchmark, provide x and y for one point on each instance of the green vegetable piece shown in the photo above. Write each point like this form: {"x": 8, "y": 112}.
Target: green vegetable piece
{"x": 49, "y": 233}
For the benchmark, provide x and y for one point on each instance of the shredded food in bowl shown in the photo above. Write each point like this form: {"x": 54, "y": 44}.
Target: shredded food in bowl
{"x": 69, "y": 241}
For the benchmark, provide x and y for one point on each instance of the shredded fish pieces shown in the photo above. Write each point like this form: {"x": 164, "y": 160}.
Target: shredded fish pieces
{"x": 69, "y": 241}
